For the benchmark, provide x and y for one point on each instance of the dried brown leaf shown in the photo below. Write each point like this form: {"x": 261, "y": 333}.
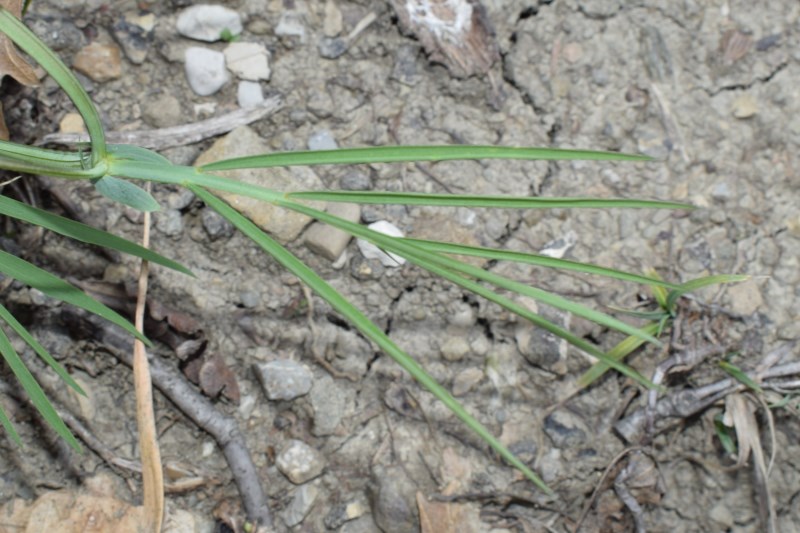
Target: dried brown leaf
{"x": 11, "y": 62}
{"x": 445, "y": 517}
{"x": 215, "y": 377}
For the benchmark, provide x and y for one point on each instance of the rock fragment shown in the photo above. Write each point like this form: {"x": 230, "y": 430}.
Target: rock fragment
{"x": 284, "y": 379}
{"x": 328, "y": 241}
{"x": 248, "y": 61}
{"x": 370, "y": 251}
{"x": 303, "y": 500}
{"x": 299, "y": 462}
{"x": 205, "y": 70}
{"x": 249, "y": 94}
{"x": 100, "y": 62}
{"x": 134, "y": 33}
{"x": 205, "y": 22}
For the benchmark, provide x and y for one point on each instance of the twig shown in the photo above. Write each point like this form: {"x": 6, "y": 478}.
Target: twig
{"x": 201, "y": 411}
{"x": 171, "y": 137}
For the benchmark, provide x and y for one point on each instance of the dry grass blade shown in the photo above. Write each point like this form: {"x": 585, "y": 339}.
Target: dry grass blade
{"x": 152, "y": 474}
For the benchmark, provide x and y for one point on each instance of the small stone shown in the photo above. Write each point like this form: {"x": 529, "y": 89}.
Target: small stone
{"x": 205, "y": 70}
{"x": 558, "y": 248}
{"x": 454, "y": 349}
{"x": 466, "y": 380}
{"x": 332, "y": 47}
{"x": 303, "y": 500}
{"x": 565, "y": 429}
{"x": 328, "y": 241}
{"x": 284, "y": 379}
{"x": 134, "y": 33}
{"x": 322, "y": 140}
{"x": 332, "y": 25}
{"x": 355, "y": 180}
{"x": 366, "y": 269}
{"x": 216, "y": 226}
{"x": 299, "y": 462}
{"x": 370, "y": 251}
{"x": 330, "y": 402}
{"x": 745, "y": 106}
{"x": 405, "y": 65}
{"x": 249, "y": 94}
{"x": 291, "y": 25}
{"x": 248, "y": 61}
{"x": 250, "y": 299}
{"x": 745, "y": 297}
{"x": 572, "y": 52}
{"x": 362, "y": 524}
{"x": 162, "y": 111}
{"x": 100, "y": 62}
{"x": 208, "y": 22}
{"x": 344, "y": 512}
{"x": 721, "y": 192}
{"x": 394, "y": 500}
{"x": 722, "y": 515}
{"x": 72, "y": 123}
{"x": 169, "y": 222}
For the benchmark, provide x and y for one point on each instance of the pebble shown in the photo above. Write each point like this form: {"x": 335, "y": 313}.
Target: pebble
{"x": 328, "y": 241}
{"x": 291, "y": 25}
{"x": 284, "y": 379}
{"x": 394, "y": 506}
{"x": 250, "y": 299}
{"x": 205, "y": 70}
{"x": 249, "y": 94}
{"x": 206, "y": 22}
{"x": 303, "y": 500}
{"x": 565, "y": 429}
{"x": 100, "y": 62}
{"x": 162, "y": 111}
{"x": 330, "y": 402}
{"x": 322, "y": 140}
{"x": 466, "y": 380}
{"x": 216, "y": 226}
{"x": 405, "y": 65}
{"x": 558, "y": 248}
{"x": 355, "y": 180}
{"x": 744, "y": 106}
{"x": 333, "y": 24}
{"x": 248, "y": 61}
{"x": 572, "y": 52}
{"x": 455, "y": 348}
{"x": 169, "y": 222}
{"x": 71, "y": 123}
{"x": 541, "y": 348}
{"x": 134, "y": 32}
{"x": 299, "y": 462}
{"x": 332, "y": 48}
{"x": 370, "y": 251}
{"x": 745, "y": 297}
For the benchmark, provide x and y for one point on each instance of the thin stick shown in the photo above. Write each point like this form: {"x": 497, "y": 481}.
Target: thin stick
{"x": 152, "y": 474}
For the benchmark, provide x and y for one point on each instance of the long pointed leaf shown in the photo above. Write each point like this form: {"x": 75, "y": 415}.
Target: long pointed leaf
{"x": 367, "y": 327}
{"x": 82, "y": 232}
{"x": 394, "y": 154}
{"x": 10, "y": 428}
{"x": 617, "y": 353}
{"x": 59, "y": 289}
{"x": 34, "y": 391}
{"x": 699, "y": 283}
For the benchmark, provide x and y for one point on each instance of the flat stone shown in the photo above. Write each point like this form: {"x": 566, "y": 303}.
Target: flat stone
{"x": 205, "y": 70}
{"x": 169, "y": 222}
{"x": 322, "y": 140}
{"x": 291, "y": 25}
{"x": 216, "y": 226}
{"x": 330, "y": 402}
{"x": 328, "y": 241}
{"x": 370, "y": 251}
{"x": 284, "y": 379}
{"x": 466, "y": 380}
{"x": 162, "y": 111}
{"x": 72, "y": 123}
{"x": 206, "y": 22}
{"x": 302, "y": 501}
{"x": 744, "y": 106}
{"x": 100, "y": 62}
{"x": 745, "y": 297}
{"x": 248, "y": 61}
{"x": 249, "y": 94}
{"x": 134, "y": 33}
{"x": 394, "y": 506}
{"x": 299, "y": 462}
{"x": 332, "y": 25}
{"x": 454, "y": 348}
{"x": 565, "y": 429}
{"x": 283, "y": 224}
{"x": 355, "y": 180}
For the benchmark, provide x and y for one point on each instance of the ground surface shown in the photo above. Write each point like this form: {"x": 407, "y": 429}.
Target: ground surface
{"x": 710, "y": 89}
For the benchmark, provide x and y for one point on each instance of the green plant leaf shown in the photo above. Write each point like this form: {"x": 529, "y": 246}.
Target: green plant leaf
{"x": 34, "y": 391}
{"x": 699, "y": 283}
{"x": 82, "y": 232}
{"x": 59, "y": 289}
{"x": 741, "y": 376}
{"x": 126, "y": 193}
{"x": 725, "y": 434}
{"x": 6, "y": 315}
{"x": 363, "y": 324}
{"x": 395, "y": 154}
{"x": 617, "y": 353}
{"x": 10, "y": 428}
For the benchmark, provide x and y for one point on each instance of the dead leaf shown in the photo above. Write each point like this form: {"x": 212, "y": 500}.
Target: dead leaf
{"x": 11, "y": 62}
{"x": 216, "y": 377}
{"x": 446, "y": 517}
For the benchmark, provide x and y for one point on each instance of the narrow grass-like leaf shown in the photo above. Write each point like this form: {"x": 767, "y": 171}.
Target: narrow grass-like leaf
{"x": 740, "y": 375}
{"x": 50, "y": 169}
{"x": 30, "y": 43}
{"x": 469, "y": 200}
{"x": 137, "y": 153}
{"x": 395, "y": 154}
{"x": 725, "y": 434}
{"x": 699, "y": 283}
{"x": 59, "y": 289}
{"x": 364, "y": 325}
{"x": 82, "y": 232}
{"x": 617, "y": 353}
{"x": 126, "y": 193}
{"x": 535, "y": 259}
{"x": 35, "y": 153}
{"x": 34, "y": 391}
{"x": 10, "y": 428}
{"x": 6, "y": 315}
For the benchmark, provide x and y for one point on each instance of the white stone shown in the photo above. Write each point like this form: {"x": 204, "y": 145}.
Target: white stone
{"x": 249, "y": 94}
{"x": 322, "y": 140}
{"x": 207, "y": 22}
{"x": 249, "y": 61}
{"x": 370, "y": 251}
{"x": 291, "y": 25}
{"x": 205, "y": 70}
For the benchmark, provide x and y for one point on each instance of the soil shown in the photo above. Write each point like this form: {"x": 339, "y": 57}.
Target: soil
{"x": 709, "y": 89}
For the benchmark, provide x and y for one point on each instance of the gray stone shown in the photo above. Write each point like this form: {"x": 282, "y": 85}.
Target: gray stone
{"x": 299, "y": 462}
{"x": 169, "y": 222}
{"x": 565, "y": 429}
{"x": 559, "y": 247}
{"x": 355, "y": 180}
{"x": 303, "y": 500}
{"x": 216, "y": 226}
{"x": 248, "y": 61}
{"x": 542, "y": 348}
{"x": 363, "y": 524}
{"x": 250, "y": 299}
{"x": 249, "y": 94}
{"x": 205, "y": 70}
{"x": 328, "y": 241}
{"x": 370, "y": 251}
{"x": 332, "y": 47}
{"x": 134, "y": 33}
{"x": 394, "y": 506}
{"x": 284, "y": 379}
{"x": 405, "y": 65}
{"x": 283, "y": 224}
{"x": 291, "y": 25}
{"x": 466, "y": 380}
{"x": 322, "y": 140}
{"x": 454, "y": 348}
{"x": 206, "y": 22}
{"x": 162, "y": 111}
{"x": 330, "y": 402}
